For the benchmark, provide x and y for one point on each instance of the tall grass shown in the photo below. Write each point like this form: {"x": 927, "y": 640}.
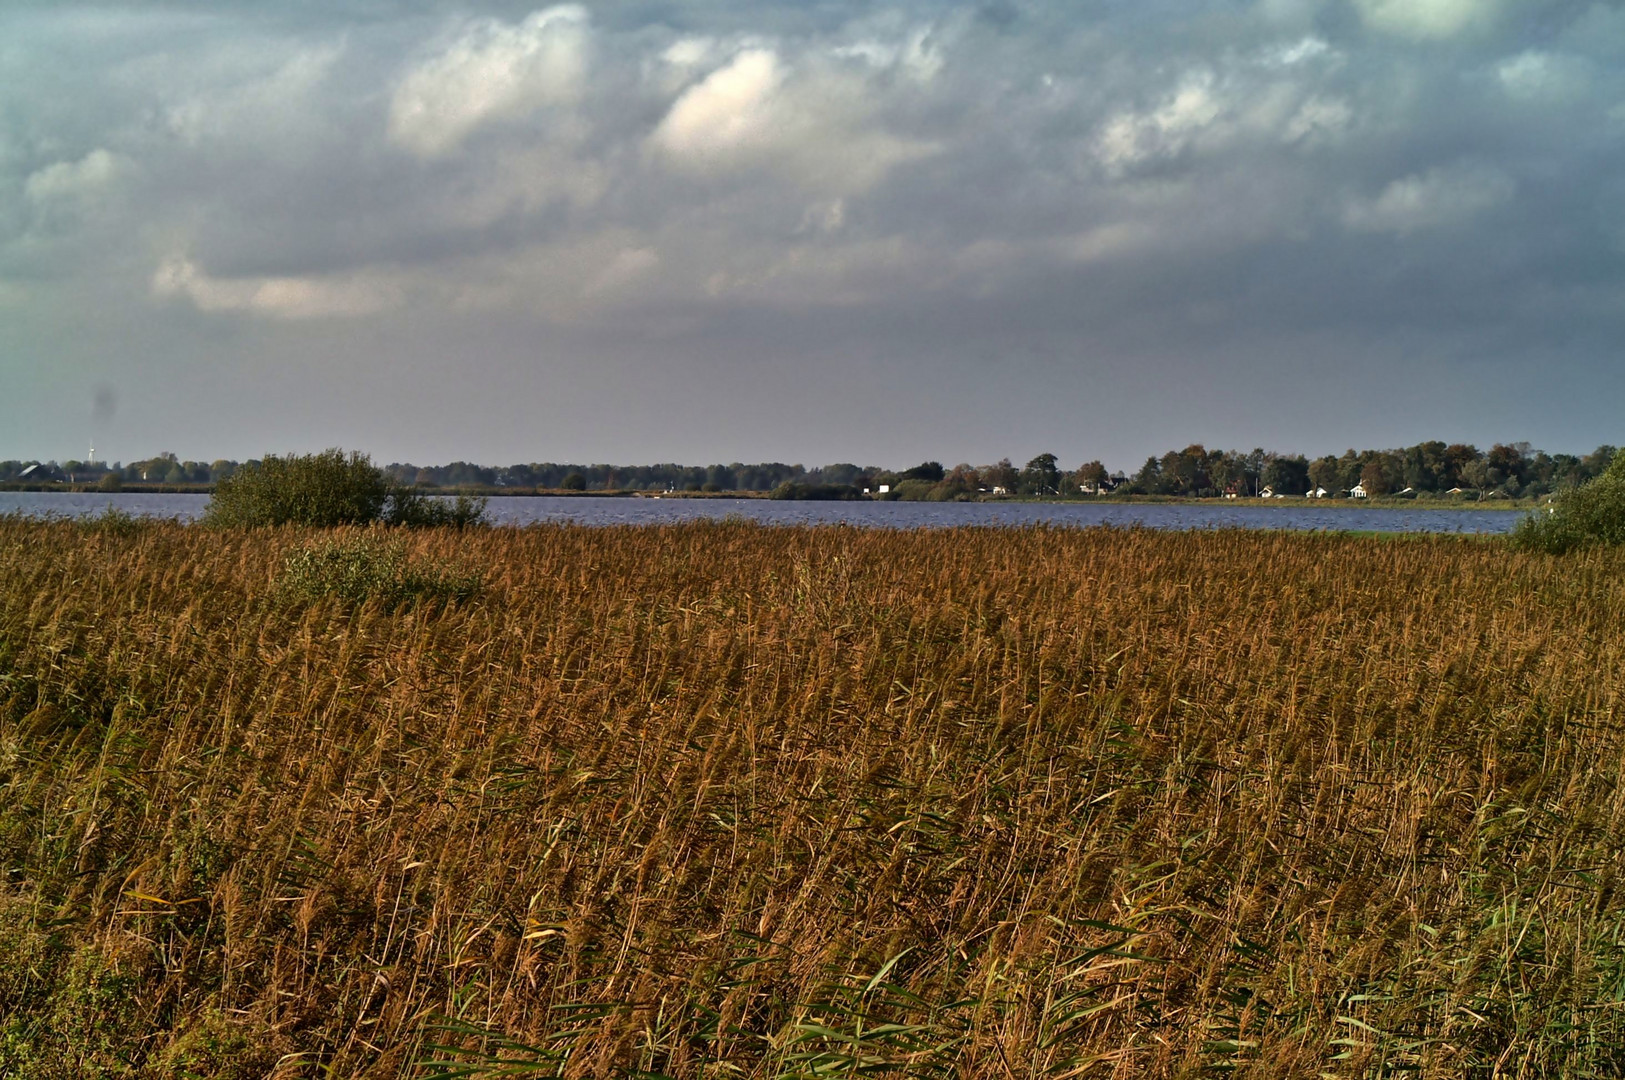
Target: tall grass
{"x": 721, "y": 800}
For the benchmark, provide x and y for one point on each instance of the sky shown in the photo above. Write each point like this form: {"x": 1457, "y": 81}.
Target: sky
{"x": 808, "y": 231}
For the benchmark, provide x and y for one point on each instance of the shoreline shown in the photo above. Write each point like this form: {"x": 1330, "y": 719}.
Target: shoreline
{"x": 1290, "y": 503}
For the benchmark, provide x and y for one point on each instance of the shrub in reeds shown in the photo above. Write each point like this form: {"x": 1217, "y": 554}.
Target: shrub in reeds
{"x": 1593, "y": 513}
{"x": 114, "y": 522}
{"x": 325, "y": 490}
{"x": 361, "y": 568}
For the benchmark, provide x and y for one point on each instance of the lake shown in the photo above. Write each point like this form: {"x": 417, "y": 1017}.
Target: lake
{"x": 525, "y": 510}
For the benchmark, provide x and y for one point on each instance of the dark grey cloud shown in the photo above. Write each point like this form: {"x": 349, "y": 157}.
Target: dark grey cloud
{"x": 832, "y": 230}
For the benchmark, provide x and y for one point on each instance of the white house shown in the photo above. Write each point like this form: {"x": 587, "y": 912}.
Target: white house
{"x": 1357, "y": 491}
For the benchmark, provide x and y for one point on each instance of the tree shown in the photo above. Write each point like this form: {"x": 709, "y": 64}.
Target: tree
{"x": 1511, "y": 463}
{"x": 1286, "y": 474}
{"x": 1001, "y": 475}
{"x": 1323, "y": 473}
{"x": 1090, "y": 476}
{"x": 1373, "y": 480}
{"x": 574, "y": 482}
{"x": 929, "y": 471}
{"x": 1593, "y": 513}
{"x": 1425, "y": 466}
{"x": 1041, "y": 476}
{"x": 324, "y": 490}
{"x": 1457, "y": 456}
{"x": 1478, "y": 475}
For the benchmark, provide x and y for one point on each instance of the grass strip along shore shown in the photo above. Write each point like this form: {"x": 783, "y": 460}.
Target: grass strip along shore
{"x": 723, "y": 800}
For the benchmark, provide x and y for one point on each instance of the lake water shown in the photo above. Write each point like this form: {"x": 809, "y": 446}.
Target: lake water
{"x": 895, "y": 515}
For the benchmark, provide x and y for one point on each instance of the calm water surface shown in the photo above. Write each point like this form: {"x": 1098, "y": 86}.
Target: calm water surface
{"x": 894, "y": 515}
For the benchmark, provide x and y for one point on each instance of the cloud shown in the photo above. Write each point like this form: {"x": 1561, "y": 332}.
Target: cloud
{"x": 661, "y": 178}
{"x": 493, "y": 71}
{"x": 1319, "y": 119}
{"x": 731, "y": 110}
{"x": 1432, "y": 199}
{"x": 1105, "y": 242}
{"x": 814, "y": 126}
{"x": 627, "y": 266}
{"x": 1130, "y": 138}
{"x": 1538, "y": 76}
{"x": 76, "y": 181}
{"x": 1427, "y": 19}
{"x": 276, "y": 297}
{"x": 1299, "y": 52}
{"x": 918, "y": 55}
{"x": 282, "y": 106}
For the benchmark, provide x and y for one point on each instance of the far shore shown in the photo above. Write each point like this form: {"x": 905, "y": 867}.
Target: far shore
{"x": 1385, "y": 503}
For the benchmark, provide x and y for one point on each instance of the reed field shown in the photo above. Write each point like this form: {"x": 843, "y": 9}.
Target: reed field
{"x": 719, "y": 800}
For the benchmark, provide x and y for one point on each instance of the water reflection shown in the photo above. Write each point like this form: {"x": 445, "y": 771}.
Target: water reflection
{"x": 896, "y": 515}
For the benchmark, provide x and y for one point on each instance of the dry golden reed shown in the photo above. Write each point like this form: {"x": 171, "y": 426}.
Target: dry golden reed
{"x": 720, "y": 800}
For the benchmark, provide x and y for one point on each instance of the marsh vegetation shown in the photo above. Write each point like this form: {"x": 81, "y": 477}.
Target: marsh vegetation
{"x": 721, "y": 800}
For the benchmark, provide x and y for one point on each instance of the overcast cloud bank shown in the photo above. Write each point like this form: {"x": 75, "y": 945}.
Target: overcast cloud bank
{"x": 728, "y": 230}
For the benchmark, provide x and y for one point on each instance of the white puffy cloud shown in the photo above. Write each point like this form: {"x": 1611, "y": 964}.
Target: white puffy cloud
{"x": 732, "y": 109}
{"x": 1432, "y": 199}
{"x": 76, "y": 181}
{"x": 1426, "y": 19}
{"x": 689, "y": 52}
{"x": 814, "y": 126}
{"x": 492, "y": 71}
{"x": 277, "y": 297}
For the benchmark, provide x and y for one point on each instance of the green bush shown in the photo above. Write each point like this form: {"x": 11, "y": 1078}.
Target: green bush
{"x": 915, "y": 490}
{"x": 408, "y": 507}
{"x": 361, "y": 568}
{"x": 114, "y": 522}
{"x": 328, "y": 489}
{"x": 1592, "y": 513}
{"x": 789, "y": 489}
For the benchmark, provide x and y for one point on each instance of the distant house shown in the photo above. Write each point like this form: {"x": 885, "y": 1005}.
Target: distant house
{"x": 1267, "y": 493}
{"x": 1456, "y": 491}
{"x": 1318, "y": 493}
{"x": 1357, "y": 491}
{"x": 997, "y": 490}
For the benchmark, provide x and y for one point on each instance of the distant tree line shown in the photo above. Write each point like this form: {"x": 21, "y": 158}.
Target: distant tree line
{"x": 1505, "y": 470}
